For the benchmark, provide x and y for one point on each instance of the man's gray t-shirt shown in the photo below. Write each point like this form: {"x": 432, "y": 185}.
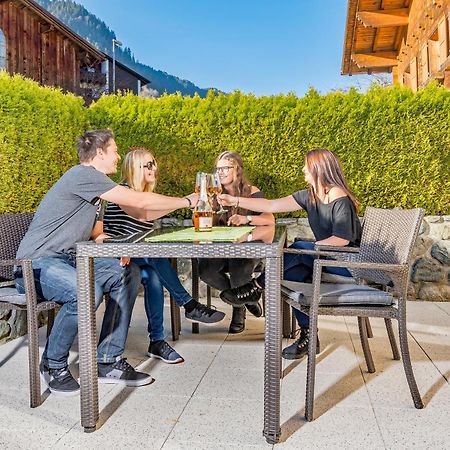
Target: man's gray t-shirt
{"x": 66, "y": 215}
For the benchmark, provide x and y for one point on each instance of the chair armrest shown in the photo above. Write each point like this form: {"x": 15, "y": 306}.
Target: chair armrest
{"x": 10, "y": 262}
{"x": 363, "y": 265}
{"x": 313, "y": 252}
{"x": 336, "y": 248}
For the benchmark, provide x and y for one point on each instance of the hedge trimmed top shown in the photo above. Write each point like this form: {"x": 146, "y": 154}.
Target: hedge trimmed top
{"x": 394, "y": 144}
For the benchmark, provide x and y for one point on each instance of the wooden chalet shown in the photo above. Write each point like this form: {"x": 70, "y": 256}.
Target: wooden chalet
{"x": 126, "y": 79}
{"x": 409, "y": 38}
{"x": 37, "y": 45}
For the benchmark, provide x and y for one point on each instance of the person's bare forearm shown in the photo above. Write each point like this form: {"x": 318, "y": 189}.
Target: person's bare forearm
{"x": 285, "y": 204}
{"x": 149, "y": 201}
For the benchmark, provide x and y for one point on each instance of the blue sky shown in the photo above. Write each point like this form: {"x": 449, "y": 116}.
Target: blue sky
{"x": 257, "y": 46}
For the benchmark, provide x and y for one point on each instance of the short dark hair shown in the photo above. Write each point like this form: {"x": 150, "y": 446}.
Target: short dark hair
{"x": 89, "y": 142}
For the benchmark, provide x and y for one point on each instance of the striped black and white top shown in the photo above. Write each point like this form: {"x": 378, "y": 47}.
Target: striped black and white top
{"x": 117, "y": 222}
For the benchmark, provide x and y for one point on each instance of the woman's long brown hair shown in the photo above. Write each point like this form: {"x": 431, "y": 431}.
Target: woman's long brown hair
{"x": 326, "y": 169}
{"x": 240, "y": 187}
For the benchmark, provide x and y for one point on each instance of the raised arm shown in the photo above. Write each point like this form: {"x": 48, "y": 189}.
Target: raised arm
{"x": 149, "y": 201}
{"x": 285, "y": 204}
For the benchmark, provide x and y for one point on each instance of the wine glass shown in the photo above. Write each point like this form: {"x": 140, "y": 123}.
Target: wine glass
{"x": 217, "y": 189}
{"x": 198, "y": 182}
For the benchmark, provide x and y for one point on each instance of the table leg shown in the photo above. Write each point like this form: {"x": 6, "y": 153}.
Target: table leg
{"x": 87, "y": 343}
{"x": 272, "y": 351}
{"x": 195, "y": 290}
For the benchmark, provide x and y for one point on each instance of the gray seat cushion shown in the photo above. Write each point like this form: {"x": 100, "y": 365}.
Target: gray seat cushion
{"x": 10, "y": 295}
{"x": 332, "y": 294}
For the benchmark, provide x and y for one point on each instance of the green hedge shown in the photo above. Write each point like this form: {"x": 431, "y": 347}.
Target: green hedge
{"x": 395, "y": 145}
{"x": 38, "y": 131}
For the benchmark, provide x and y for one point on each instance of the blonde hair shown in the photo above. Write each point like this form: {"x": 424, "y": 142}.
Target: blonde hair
{"x": 326, "y": 169}
{"x": 133, "y": 169}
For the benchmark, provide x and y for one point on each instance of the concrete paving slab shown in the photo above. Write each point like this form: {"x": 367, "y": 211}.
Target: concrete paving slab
{"x": 215, "y": 399}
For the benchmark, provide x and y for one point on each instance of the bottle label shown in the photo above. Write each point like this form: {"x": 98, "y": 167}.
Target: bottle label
{"x": 205, "y": 222}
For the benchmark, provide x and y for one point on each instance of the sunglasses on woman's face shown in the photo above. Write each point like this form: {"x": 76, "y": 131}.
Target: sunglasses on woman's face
{"x": 150, "y": 165}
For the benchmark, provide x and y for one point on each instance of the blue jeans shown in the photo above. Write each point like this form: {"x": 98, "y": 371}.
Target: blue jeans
{"x": 157, "y": 273}
{"x": 56, "y": 279}
{"x": 300, "y": 268}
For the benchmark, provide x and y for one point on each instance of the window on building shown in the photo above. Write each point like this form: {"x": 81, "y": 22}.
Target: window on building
{"x": 2, "y": 50}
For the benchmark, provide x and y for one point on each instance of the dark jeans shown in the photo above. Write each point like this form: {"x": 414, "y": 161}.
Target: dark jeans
{"x": 223, "y": 273}
{"x": 157, "y": 273}
{"x": 56, "y": 279}
{"x": 300, "y": 268}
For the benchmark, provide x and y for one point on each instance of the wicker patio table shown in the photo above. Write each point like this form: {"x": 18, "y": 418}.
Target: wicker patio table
{"x": 267, "y": 242}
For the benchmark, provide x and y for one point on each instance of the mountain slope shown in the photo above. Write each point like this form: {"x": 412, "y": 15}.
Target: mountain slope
{"x": 93, "y": 29}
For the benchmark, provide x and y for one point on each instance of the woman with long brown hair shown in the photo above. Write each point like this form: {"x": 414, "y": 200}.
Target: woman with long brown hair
{"x": 223, "y": 273}
{"x": 332, "y": 214}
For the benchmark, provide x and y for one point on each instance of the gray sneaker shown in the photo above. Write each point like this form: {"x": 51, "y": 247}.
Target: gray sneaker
{"x": 162, "y": 350}
{"x": 59, "y": 381}
{"x": 204, "y": 314}
{"x": 120, "y": 372}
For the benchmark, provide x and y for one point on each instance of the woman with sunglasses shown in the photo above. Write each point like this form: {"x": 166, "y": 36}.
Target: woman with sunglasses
{"x": 223, "y": 274}
{"x": 139, "y": 172}
{"x": 332, "y": 214}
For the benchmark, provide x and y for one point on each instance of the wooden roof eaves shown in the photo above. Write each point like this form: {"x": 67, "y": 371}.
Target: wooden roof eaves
{"x": 50, "y": 18}
{"x": 349, "y": 37}
{"x": 128, "y": 69}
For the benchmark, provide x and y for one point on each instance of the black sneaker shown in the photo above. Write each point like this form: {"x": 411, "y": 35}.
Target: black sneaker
{"x": 162, "y": 350}
{"x": 204, "y": 314}
{"x": 120, "y": 372}
{"x": 59, "y": 381}
{"x": 246, "y": 294}
{"x": 299, "y": 348}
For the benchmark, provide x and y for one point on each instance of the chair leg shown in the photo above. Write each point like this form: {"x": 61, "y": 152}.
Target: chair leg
{"x": 175, "y": 317}
{"x": 175, "y": 320}
{"x": 263, "y": 302}
{"x": 33, "y": 357}
{"x": 286, "y": 315}
{"x": 369, "y": 328}
{"x": 208, "y": 295}
{"x": 393, "y": 342}
{"x": 294, "y": 326}
{"x": 195, "y": 294}
{"x": 365, "y": 344}
{"x": 311, "y": 371}
{"x": 404, "y": 348}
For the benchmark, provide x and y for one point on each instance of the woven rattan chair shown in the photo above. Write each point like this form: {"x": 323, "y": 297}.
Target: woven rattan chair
{"x": 13, "y": 227}
{"x": 384, "y": 258}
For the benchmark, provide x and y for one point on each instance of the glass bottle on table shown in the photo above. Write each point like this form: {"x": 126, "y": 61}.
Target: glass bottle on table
{"x": 203, "y": 212}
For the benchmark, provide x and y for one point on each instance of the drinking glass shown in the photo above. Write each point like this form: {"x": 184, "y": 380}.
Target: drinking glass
{"x": 217, "y": 189}
{"x": 198, "y": 182}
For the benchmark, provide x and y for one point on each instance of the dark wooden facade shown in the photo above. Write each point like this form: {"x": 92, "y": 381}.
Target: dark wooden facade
{"x": 41, "y": 47}
{"x": 126, "y": 78}
{"x": 409, "y": 38}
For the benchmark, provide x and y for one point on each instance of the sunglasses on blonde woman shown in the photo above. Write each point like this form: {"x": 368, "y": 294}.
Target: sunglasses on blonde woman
{"x": 150, "y": 165}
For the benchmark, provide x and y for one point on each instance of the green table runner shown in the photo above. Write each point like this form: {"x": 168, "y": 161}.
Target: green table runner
{"x": 217, "y": 234}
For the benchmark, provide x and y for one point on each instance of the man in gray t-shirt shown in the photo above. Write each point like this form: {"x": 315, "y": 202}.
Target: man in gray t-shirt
{"x": 66, "y": 216}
